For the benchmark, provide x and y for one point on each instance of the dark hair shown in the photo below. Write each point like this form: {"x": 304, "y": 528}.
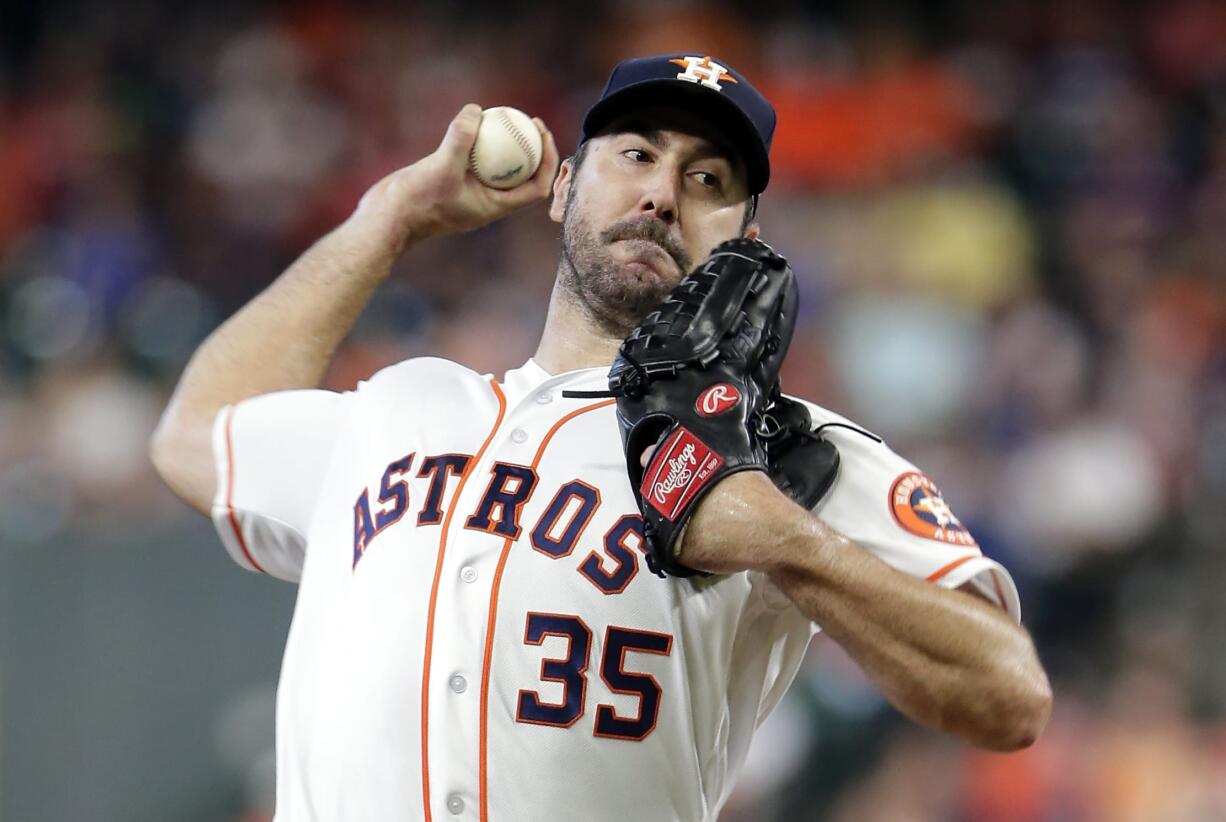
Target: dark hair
{"x": 751, "y": 209}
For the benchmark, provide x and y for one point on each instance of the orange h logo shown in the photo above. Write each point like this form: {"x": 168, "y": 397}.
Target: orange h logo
{"x": 702, "y": 70}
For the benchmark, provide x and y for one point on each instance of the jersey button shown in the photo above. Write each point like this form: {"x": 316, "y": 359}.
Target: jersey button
{"x": 468, "y": 573}
{"x": 458, "y": 683}
{"x": 544, "y": 398}
{"x": 455, "y": 804}
{"x": 519, "y": 435}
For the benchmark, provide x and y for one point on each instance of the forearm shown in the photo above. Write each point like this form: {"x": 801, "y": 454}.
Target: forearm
{"x": 286, "y": 336}
{"x": 283, "y": 339}
{"x": 946, "y": 658}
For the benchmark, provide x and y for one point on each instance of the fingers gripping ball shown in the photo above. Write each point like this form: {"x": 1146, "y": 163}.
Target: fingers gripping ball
{"x": 507, "y": 151}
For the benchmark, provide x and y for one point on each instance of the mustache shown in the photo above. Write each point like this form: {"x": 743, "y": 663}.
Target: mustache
{"x": 651, "y": 230}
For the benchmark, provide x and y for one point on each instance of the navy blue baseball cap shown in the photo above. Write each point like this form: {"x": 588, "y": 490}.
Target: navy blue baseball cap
{"x": 698, "y": 82}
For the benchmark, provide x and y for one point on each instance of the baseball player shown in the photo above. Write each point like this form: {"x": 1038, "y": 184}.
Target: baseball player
{"x": 477, "y": 633}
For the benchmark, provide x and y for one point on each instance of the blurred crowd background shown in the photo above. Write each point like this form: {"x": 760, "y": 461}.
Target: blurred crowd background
{"x": 1009, "y": 224}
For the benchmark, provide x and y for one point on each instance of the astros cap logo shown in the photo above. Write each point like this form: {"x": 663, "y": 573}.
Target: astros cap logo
{"x": 702, "y": 70}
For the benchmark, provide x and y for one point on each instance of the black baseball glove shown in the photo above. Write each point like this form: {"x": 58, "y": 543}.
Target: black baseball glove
{"x": 802, "y": 463}
{"x": 696, "y": 379}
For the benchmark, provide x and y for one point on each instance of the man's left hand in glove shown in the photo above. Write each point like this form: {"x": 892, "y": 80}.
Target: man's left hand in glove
{"x": 696, "y": 384}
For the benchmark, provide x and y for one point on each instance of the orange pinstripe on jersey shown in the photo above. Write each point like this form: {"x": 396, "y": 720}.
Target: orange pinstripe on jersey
{"x": 438, "y": 570}
{"x": 238, "y": 532}
{"x": 941, "y": 572}
{"x": 493, "y": 610}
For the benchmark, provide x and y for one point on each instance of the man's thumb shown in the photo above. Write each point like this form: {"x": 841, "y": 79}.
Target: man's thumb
{"x": 462, "y": 132}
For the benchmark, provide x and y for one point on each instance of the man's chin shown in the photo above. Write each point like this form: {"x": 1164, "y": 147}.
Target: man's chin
{"x": 641, "y": 286}
{"x": 621, "y": 309}
{"x": 641, "y": 271}
{"x": 619, "y": 293}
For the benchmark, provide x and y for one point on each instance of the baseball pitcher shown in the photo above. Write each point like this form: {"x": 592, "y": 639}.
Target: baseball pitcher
{"x": 573, "y": 591}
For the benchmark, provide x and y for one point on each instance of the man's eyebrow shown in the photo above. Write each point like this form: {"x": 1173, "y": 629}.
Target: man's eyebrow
{"x": 652, "y": 135}
{"x": 655, "y": 136}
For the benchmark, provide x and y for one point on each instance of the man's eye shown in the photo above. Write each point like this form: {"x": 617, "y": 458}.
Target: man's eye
{"x": 637, "y": 155}
{"x": 708, "y": 179}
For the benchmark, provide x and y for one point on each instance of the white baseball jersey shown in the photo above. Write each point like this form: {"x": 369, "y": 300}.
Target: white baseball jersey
{"x": 477, "y": 635}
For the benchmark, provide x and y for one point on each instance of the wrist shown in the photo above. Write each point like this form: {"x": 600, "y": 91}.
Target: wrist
{"x": 374, "y": 239}
{"x": 388, "y": 226}
{"x": 746, "y": 523}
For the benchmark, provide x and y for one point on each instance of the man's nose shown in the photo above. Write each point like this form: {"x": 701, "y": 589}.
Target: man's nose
{"x": 659, "y": 197}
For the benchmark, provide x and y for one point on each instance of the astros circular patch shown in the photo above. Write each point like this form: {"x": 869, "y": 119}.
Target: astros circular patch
{"x": 919, "y": 508}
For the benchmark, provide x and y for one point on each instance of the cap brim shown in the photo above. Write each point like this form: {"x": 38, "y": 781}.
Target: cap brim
{"x": 736, "y": 125}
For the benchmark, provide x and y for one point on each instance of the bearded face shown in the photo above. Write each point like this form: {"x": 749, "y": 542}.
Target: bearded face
{"x": 617, "y": 295}
{"x": 638, "y": 205}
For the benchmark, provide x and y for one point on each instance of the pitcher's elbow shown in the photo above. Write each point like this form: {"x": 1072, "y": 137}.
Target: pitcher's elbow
{"x": 183, "y": 460}
{"x": 164, "y": 454}
{"x": 156, "y": 449}
{"x": 1020, "y": 717}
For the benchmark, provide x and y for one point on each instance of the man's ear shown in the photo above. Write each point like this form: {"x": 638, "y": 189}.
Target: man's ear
{"x": 561, "y": 190}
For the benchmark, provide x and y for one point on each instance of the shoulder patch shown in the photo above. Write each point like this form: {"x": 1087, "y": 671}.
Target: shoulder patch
{"x": 917, "y": 506}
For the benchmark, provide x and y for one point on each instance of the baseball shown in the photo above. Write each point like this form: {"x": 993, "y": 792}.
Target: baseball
{"x": 508, "y": 148}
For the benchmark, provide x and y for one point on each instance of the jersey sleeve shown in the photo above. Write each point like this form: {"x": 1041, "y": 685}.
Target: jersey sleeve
{"x": 271, "y": 455}
{"x": 896, "y": 512}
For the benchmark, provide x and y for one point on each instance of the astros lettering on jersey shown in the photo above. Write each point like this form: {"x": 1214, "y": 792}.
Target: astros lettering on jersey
{"x": 476, "y": 632}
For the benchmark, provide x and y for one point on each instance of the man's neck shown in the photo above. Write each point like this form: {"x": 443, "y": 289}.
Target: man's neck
{"x": 571, "y": 339}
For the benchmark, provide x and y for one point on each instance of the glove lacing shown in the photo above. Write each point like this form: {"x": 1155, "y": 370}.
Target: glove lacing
{"x": 633, "y": 387}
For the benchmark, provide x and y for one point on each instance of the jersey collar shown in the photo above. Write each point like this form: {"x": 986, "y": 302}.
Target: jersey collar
{"x": 531, "y": 377}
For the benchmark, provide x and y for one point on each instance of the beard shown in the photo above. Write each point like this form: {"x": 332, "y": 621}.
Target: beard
{"x": 613, "y": 296}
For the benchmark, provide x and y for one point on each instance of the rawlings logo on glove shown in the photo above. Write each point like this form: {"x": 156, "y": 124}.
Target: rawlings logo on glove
{"x": 717, "y": 399}
{"x": 690, "y": 466}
